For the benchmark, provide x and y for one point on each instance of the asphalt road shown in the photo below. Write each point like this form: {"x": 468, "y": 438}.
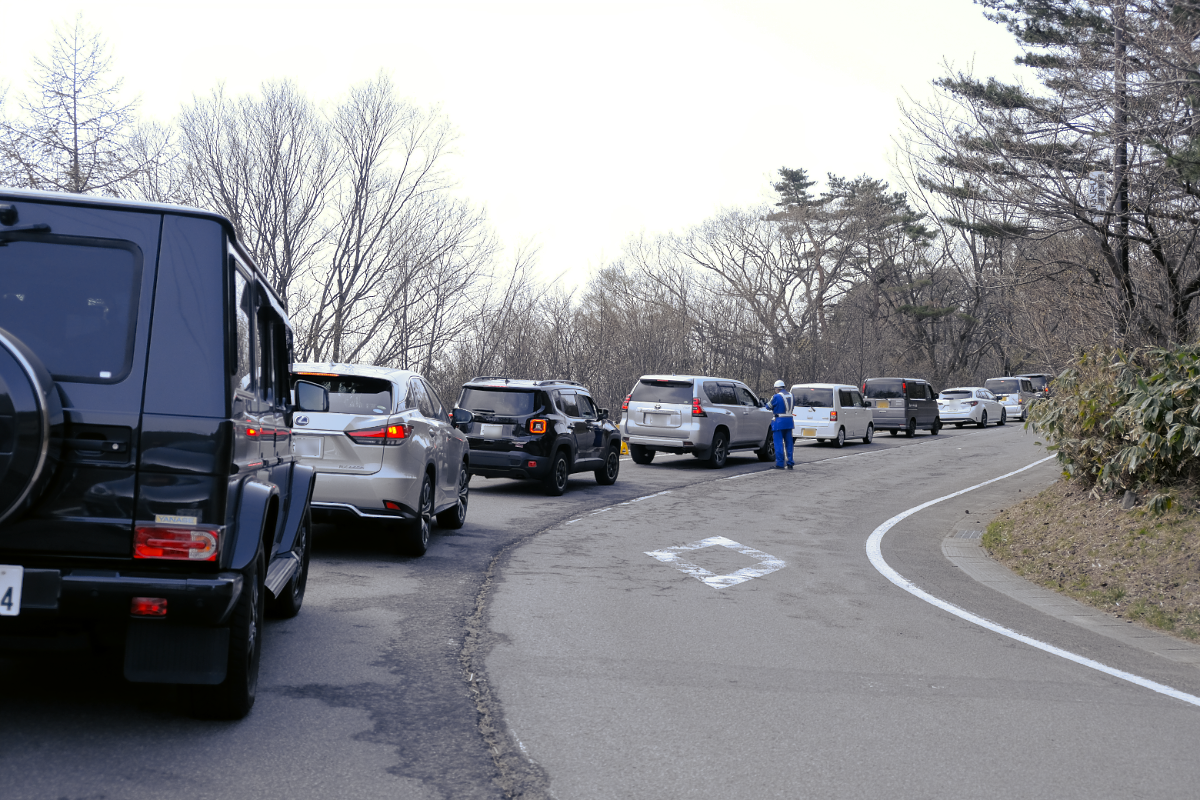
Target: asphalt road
{"x": 539, "y": 651}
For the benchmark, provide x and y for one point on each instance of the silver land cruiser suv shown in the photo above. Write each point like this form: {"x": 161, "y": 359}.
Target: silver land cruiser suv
{"x": 704, "y": 416}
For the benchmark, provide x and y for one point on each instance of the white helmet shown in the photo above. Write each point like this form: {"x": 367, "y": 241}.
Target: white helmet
{"x": 780, "y": 384}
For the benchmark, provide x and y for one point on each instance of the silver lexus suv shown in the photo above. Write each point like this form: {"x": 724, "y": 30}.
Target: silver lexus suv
{"x": 387, "y": 449}
{"x": 704, "y": 416}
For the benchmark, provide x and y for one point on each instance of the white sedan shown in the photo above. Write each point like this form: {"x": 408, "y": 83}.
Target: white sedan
{"x": 970, "y": 404}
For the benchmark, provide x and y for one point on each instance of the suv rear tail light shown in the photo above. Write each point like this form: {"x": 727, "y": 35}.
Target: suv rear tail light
{"x": 381, "y": 434}
{"x": 176, "y": 544}
{"x": 537, "y": 426}
{"x": 697, "y": 411}
{"x": 625, "y": 403}
{"x": 148, "y": 607}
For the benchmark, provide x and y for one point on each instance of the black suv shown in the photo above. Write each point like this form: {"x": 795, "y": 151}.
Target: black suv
{"x": 542, "y": 430}
{"x": 149, "y": 498}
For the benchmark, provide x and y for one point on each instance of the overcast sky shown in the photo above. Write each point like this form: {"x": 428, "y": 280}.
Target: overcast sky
{"x": 580, "y": 124}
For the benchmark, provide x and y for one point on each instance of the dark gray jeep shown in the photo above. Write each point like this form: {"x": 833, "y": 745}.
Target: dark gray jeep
{"x": 149, "y": 498}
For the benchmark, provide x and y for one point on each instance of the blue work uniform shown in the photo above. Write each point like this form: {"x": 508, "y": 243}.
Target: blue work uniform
{"x": 782, "y": 404}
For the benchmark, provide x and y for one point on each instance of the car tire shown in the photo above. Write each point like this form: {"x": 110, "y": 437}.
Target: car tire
{"x": 718, "y": 453}
{"x": 840, "y": 440}
{"x": 287, "y": 604}
{"x": 233, "y": 697}
{"x": 607, "y": 476}
{"x": 911, "y": 430}
{"x": 982, "y": 420}
{"x": 32, "y": 440}
{"x": 767, "y": 451}
{"x": 414, "y": 539}
{"x": 870, "y": 434}
{"x": 1003, "y": 416}
{"x": 937, "y": 427}
{"x": 560, "y": 471}
{"x": 455, "y": 516}
{"x": 640, "y": 454}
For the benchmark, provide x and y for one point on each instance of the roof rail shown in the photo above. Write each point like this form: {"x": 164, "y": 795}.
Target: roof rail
{"x": 488, "y": 378}
{"x": 559, "y": 380}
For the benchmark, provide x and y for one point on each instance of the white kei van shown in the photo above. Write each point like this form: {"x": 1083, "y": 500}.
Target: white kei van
{"x": 833, "y": 411}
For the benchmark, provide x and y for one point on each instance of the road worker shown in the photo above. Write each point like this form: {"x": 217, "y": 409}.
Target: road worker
{"x": 781, "y": 405}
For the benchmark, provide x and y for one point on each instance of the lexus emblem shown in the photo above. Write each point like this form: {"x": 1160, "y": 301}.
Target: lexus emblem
{"x": 302, "y": 419}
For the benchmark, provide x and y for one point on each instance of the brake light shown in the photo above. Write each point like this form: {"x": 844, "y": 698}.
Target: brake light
{"x": 697, "y": 411}
{"x": 904, "y": 387}
{"x": 148, "y": 607}
{"x": 625, "y": 404}
{"x": 176, "y": 544}
{"x": 381, "y": 434}
{"x": 833, "y": 416}
{"x": 325, "y": 374}
{"x": 537, "y": 426}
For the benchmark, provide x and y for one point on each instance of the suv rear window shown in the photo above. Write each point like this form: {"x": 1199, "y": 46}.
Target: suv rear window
{"x": 885, "y": 390}
{"x": 678, "y": 392}
{"x": 1003, "y": 385}
{"x": 1039, "y": 382}
{"x": 502, "y": 402}
{"x": 74, "y": 302}
{"x": 812, "y": 397}
{"x": 350, "y": 394}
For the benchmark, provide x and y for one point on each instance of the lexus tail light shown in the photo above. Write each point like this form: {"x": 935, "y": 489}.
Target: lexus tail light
{"x": 176, "y": 544}
{"x": 382, "y": 434}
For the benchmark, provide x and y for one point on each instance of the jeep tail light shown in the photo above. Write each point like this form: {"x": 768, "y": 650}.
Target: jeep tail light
{"x": 148, "y": 607}
{"x": 625, "y": 403}
{"x": 381, "y": 434}
{"x": 697, "y": 411}
{"x": 537, "y": 426}
{"x": 833, "y": 416}
{"x": 176, "y": 544}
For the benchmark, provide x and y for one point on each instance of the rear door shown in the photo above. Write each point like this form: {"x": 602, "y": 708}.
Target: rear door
{"x": 848, "y": 414}
{"x": 440, "y": 431}
{"x": 726, "y": 407}
{"x": 568, "y": 404}
{"x": 594, "y": 439}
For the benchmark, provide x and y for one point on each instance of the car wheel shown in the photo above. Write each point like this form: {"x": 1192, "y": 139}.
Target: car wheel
{"x": 911, "y": 430}
{"x": 870, "y": 434}
{"x": 894, "y": 433}
{"x": 556, "y": 481}
{"x": 718, "y": 454}
{"x": 937, "y": 427}
{"x": 612, "y": 466}
{"x": 455, "y": 516}
{"x": 1003, "y": 416}
{"x": 982, "y": 420}
{"x": 840, "y": 441}
{"x": 233, "y": 697}
{"x": 640, "y": 454}
{"x": 414, "y": 541}
{"x": 767, "y": 451}
{"x": 287, "y": 604}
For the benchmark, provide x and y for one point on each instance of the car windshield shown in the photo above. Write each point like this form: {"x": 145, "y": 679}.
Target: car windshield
{"x": 351, "y": 394}
{"x": 75, "y": 305}
{"x": 1003, "y": 385}
{"x": 651, "y": 391}
{"x": 954, "y": 394}
{"x": 885, "y": 390}
{"x": 504, "y": 402}
{"x": 812, "y": 397}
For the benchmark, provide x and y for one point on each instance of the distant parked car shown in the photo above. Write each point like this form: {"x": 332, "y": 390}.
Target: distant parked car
{"x": 974, "y": 404}
{"x": 1014, "y": 393}
{"x": 706, "y": 417}
{"x": 832, "y": 412}
{"x": 902, "y": 404}
{"x": 387, "y": 449}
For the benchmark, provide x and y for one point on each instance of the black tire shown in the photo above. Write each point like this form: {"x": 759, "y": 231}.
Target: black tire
{"x": 234, "y": 697}
{"x": 560, "y": 471}
{"x": 291, "y": 596}
{"x": 870, "y": 434}
{"x": 767, "y": 451}
{"x": 1003, "y": 416}
{"x": 607, "y": 475}
{"x": 455, "y": 516}
{"x": 894, "y": 433}
{"x": 414, "y": 538}
{"x": 911, "y": 430}
{"x": 640, "y": 454}
{"x": 982, "y": 420}
{"x": 937, "y": 427}
{"x": 840, "y": 441}
{"x": 718, "y": 453}
{"x": 32, "y": 439}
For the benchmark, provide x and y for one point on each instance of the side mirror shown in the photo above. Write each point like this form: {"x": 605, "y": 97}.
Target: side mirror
{"x": 311, "y": 397}
{"x": 866, "y": 403}
{"x": 461, "y": 418}
{"x": 601, "y": 413}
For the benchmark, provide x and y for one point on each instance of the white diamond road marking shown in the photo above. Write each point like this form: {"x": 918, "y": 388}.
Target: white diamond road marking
{"x": 766, "y": 563}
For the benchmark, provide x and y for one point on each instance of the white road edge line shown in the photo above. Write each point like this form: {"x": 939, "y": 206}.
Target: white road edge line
{"x": 875, "y": 554}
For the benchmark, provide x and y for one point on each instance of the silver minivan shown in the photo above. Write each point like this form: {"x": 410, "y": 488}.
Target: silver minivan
{"x": 704, "y": 416}
{"x": 831, "y": 412}
{"x": 1014, "y": 393}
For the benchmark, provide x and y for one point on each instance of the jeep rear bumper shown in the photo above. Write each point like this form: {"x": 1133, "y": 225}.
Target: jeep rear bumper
{"x": 508, "y": 464}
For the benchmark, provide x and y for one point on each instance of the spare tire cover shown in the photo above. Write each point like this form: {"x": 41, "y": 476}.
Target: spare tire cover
{"x": 31, "y": 422}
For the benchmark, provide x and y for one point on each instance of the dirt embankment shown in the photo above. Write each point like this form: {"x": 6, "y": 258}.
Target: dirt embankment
{"x": 1126, "y": 562}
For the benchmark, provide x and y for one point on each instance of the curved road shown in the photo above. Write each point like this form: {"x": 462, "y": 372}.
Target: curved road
{"x": 541, "y": 652}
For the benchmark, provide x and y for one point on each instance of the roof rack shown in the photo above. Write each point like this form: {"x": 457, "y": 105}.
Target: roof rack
{"x": 559, "y": 380}
{"x": 488, "y": 378}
